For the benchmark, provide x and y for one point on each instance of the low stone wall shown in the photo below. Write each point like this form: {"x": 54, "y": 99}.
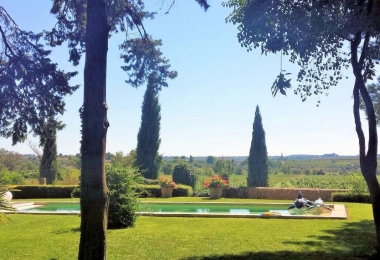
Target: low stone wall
{"x": 290, "y": 193}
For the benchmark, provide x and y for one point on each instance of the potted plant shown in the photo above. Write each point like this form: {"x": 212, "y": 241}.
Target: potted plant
{"x": 215, "y": 184}
{"x": 167, "y": 186}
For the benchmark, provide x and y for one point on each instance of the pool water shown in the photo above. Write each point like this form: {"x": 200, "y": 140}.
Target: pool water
{"x": 192, "y": 209}
{"x": 53, "y": 207}
{"x": 212, "y": 208}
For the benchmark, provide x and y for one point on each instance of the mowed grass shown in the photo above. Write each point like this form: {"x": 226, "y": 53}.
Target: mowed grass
{"x": 57, "y": 237}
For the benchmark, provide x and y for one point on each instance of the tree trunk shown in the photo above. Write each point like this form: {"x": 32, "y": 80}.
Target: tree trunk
{"x": 368, "y": 161}
{"x": 48, "y": 164}
{"x": 94, "y": 191}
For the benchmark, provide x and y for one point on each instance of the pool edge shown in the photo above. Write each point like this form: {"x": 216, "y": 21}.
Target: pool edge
{"x": 339, "y": 212}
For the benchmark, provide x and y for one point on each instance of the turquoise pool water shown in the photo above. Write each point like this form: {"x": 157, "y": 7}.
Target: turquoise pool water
{"x": 212, "y": 208}
{"x": 53, "y": 207}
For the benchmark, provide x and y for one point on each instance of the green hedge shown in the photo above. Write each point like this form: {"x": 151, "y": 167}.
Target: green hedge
{"x": 235, "y": 192}
{"x": 146, "y": 190}
{"x": 348, "y": 197}
{"x": 42, "y": 191}
{"x": 155, "y": 191}
{"x": 64, "y": 191}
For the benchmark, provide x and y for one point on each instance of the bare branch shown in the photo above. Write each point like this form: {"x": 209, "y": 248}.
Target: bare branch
{"x": 170, "y": 7}
{"x": 7, "y": 46}
{"x": 35, "y": 149}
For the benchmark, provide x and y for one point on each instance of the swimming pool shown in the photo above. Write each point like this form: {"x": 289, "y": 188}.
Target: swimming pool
{"x": 191, "y": 209}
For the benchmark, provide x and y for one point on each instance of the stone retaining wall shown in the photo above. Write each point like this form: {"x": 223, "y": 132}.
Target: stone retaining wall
{"x": 290, "y": 193}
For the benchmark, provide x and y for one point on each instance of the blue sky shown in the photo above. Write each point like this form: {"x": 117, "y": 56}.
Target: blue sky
{"x": 209, "y": 108}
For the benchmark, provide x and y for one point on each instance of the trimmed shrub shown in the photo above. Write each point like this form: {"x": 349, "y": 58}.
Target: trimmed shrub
{"x": 155, "y": 191}
{"x": 349, "y": 197}
{"x": 202, "y": 193}
{"x": 123, "y": 203}
{"x": 182, "y": 174}
{"x": 76, "y": 192}
{"x": 235, "y": 192}
{"x": 43, "y": 191}
{"x": 151, "y": 182}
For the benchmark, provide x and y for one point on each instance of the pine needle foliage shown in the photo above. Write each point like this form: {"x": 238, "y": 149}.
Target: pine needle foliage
{"x": 258, "y": 156}
{"x": 48, "y": 166}
{"x": 148, "y": 138}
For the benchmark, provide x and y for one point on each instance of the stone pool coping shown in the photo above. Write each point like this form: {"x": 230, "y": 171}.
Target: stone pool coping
{"x": 339, "y": 211}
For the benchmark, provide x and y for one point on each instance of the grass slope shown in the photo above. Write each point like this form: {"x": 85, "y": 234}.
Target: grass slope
{"x": 57, "y": 237}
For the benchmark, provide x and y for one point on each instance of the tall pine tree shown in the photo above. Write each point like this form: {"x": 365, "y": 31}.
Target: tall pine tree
{"x": 258, "y": 156}
{"x": 48, "y": 139}
{"x": 48, "y": 166}
{"x": 148, "y": 138}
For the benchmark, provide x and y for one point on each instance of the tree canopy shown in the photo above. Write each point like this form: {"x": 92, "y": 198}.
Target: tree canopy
{"x": 322, "y": 37}
{"x": 87, "y": 26}
{"x": 32, "y": 87}
{"x": 374, "y": 93}
{"x": 311, "y": 34}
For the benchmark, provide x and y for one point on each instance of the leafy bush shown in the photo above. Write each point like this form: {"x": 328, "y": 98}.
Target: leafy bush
{"x": 202, "y": 193}
{"x": 167, "y": 182}
{"x": 69, "y": 176}
{"x": 123, "y": 203}
{"x": 216, "y": 182}
{"x": 76, "y": 192}
{"x": 8, "y": 177}
{"x": 182, "y": 174}
{"x": 166, "y": 168}
{"x": 151, "y": 182}
{"x": 357, "y": 183}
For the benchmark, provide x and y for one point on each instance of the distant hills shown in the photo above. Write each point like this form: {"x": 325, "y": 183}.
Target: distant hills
{"x": 275, "y": 157}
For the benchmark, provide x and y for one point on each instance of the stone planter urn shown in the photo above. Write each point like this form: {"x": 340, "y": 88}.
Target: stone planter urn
{"x": 7, "y": 196}
{"x": 215, "y": 193}
{"x": 166, "y": 192}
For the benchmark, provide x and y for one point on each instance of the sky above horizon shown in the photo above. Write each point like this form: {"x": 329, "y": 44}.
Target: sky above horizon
{"x": 209, "y": 108}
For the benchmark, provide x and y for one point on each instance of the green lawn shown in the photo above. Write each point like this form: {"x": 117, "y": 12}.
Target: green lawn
{"x": 57, "y": 237}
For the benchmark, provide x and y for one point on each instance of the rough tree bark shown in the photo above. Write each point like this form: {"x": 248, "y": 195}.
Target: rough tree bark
{"x": 94, "y": 191}
{"x": 368, "y": 161}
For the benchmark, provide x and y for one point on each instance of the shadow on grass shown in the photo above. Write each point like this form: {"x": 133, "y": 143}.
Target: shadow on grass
{"x": 208, "y": 199}
{"x": 354, "y": 240}
{"x": 352, "y": 236}
{"x": 282, "y": 255}
{"x": 64, "y": 231}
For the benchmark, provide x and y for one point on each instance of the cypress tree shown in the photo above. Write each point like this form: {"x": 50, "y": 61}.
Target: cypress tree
{"x": 148, "y": 138}
{"x": 48, "y": 139}
{"x": 258, "y": 156}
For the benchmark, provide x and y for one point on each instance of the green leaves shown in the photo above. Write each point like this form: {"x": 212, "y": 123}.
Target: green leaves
{"x": 258, "y": 155}
{"x": 148, "y": 137}
{"x": 281, "y": 84}
{"x": 144, "y": 59}
{"x": 31, "y": 86}
{"x": 312, "y": 34}
{"x": 123, "y": 203}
